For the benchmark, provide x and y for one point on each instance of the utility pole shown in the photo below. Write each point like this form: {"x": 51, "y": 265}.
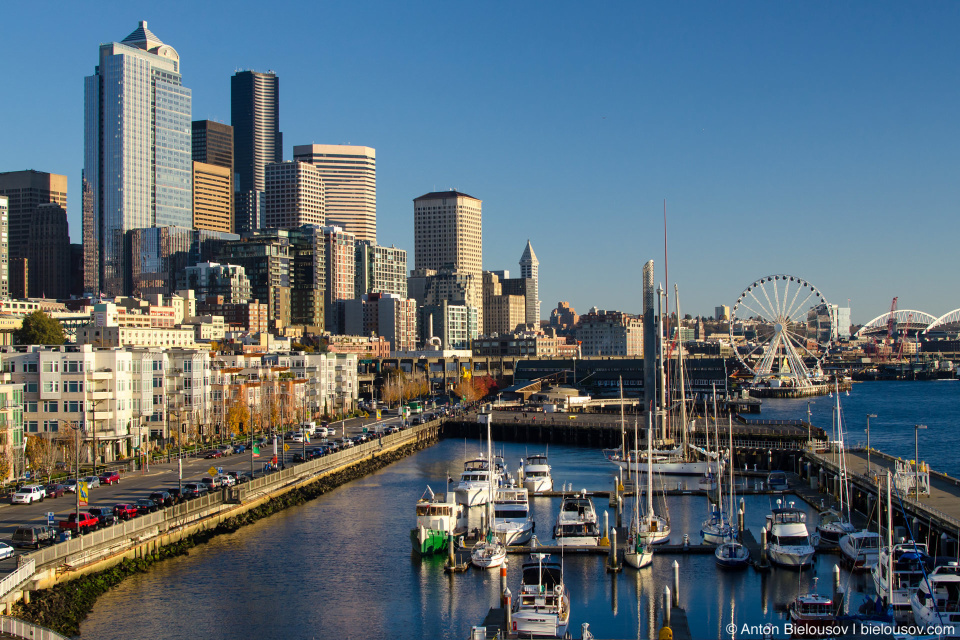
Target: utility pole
{"x": 869, "y": 415}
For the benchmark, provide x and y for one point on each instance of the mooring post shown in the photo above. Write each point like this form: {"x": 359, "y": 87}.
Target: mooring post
{"x": 836, "y": 582}
{"x": 503, "y": 586}
{"x": 507, "y": 613}
{"x": 666, "y": 605}
{"x": 676, "y": 583}
{"x": 613, "y": 549}
{"x": 451, "y": 557}
{"x": 606, "y": 525}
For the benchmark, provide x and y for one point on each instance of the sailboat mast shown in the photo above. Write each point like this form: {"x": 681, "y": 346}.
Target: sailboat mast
{"x": 889, "y": 544}
{"x": 623, "y": 430}
{"x": 636, "y": 481}
{"x": 489, "y": 476}
{"x": 716, "y": 423}
{"x": 680, "y": 372}
{"x": 663, "y": 381}
{"x": 650, "y": 466}
{"x": 844, "y": 497}
{"x": 730, "y": 463}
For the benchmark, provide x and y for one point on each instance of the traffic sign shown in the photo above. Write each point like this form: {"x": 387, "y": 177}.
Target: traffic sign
{"x": 286, "y": 447}
{"x": 212, "y": 471}
{"x": 51, "y": 518}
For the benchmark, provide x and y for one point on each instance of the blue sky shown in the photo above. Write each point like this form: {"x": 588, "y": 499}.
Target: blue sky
{"x": 813, "y": 139}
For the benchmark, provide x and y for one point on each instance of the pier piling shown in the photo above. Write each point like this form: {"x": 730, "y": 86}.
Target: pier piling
{"x": 676, "y": 584}
{"x": 666, "y": 605}
{"x": 612, "y": 561}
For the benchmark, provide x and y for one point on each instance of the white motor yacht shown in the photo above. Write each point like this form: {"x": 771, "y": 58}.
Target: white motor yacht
{"x": 511, "y": 512}
{"x": 936, "y": 602}
{"x": 577, "y": 522}
{"x": 788, "y": 541}
{"x": 438, "y": 518}
{"x": 542, "y": 608}
{"x": 474, "y": 488}
{"x": 861, "y": 549}
{"x": 536, "y": 473}
{"x": 909, "y": 561}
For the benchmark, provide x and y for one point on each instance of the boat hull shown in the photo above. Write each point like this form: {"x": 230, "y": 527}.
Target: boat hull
{"x": 794, "y": 558}
{"x": 488, "y": 558}
{"x": 732, "y": 556}
{"x": 692, "y": 468}
{"x": 639, "y": 558}
{"x": 538, "y": 485}
{"x": 428, "y": 542}
{"x": 515, "y": 534}
{"x": 715, "y": 534}
{"x": 534, "y": 624}
{"x": 472, "y": 496}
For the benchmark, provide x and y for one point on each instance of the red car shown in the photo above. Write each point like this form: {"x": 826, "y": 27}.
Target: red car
{"x": 125, "y": 511}
{"x": 55, "y": 490}
{"x": 79, "y": 523}
{"x": 213, "y": 453}
{"x": 109, "y": 477}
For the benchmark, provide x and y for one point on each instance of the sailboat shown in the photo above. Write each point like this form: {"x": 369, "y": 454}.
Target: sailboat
{"x": 716, "y": 528}
{"x": 681, "y": 460}
{"x": 639, "y": 553}
{"x": 652, "y": 528}
{"x": 489, "y": 552}
{"x": 834, "y": 524}
{"x": 731, "y": 554}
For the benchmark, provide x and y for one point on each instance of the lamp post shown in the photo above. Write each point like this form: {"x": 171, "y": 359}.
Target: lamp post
{"x": 869, "y": 415}
{"x": 916, "y": 458}
{"x": 809, "y": 423}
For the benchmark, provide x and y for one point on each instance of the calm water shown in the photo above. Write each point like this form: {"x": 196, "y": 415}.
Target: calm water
{"x": 341, "y": 567}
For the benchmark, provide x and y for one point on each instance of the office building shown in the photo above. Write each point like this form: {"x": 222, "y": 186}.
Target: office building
{"x": 255, "y": 116}
{"x": 27, "y": 190}
{"x": 454, "y": 325}
{"x": 447, "y": 229}
{"x": 243, "y": 316}
{"x": 265, "y": 256}
{"x": 721, "y": 313}
{"x": 157, "y": 255}
{"x": 212, "y": 197}
{"x": 212, "y": 144}
{"x": 350, "y": 185}
{"x": 530, "y": 271}
{"x": 137, "y": 152}
{"x": 308, "y": 250}
{"x": 214, "y": 279}
{"x": 609, "y": 333}
{"x": 294, "y": 196}
{"x": 247, "y": 211}
{"x": 4, "y": 248}
{"x": 48, "y": 253}
{"x": 502, "y": 312}
{"x": 380, "y": 269}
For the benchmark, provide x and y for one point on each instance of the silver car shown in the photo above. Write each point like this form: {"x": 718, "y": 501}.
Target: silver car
{"x": 92, "y": 481}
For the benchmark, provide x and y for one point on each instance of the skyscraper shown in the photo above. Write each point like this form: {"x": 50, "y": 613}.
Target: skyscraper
{"x": 294, "y": 196}
{"x": 350, "y": 185}
{"x": 212, "y": 197}
{"x": 255, "y": 116}
{"x": 26, "y": 191}
{"x": 4, "y": 248}
{"x": 48, "y": 253}
{"x": 530, "y": 269}
{"x": 213, "y": 145}
{"x": 137, "y": 156}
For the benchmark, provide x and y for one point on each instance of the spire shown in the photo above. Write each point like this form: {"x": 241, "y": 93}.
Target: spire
{"x": 143, "y": 38}
{"x": 529, "y": 257}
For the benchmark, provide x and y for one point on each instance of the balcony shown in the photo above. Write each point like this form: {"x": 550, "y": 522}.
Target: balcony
{"x": 100, "y": 395}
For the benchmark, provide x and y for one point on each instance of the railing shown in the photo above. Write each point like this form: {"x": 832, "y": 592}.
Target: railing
{"x": 23, "y": 572}
{"x": 22, "y": 629}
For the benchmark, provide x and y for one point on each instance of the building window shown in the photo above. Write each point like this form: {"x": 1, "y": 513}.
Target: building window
{"x": 30, "y": 386}
{"x": 30, "y": 367}
{"x": 51, "y": 366}
{"x": 51, "y": 406}
{"x": 51, "y": 386}
{"x": 51, "y": 426}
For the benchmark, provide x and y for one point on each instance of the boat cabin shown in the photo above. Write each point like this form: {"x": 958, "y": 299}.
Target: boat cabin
{"x": 475, "y": 465}
{"x": 576, "y": 506}
{"x": 789, "y": 515}
{"x": 434, "y": 509}
{"x": 813, "y": 607}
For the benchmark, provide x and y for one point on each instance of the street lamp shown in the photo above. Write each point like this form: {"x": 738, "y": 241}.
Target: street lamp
{"x": 916, "y": 458}
{"x": 809, "y": 438}
{"x": 869, "y": 415}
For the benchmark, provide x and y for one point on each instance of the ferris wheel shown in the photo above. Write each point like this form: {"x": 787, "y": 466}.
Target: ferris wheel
{"x": 770, "y": 332}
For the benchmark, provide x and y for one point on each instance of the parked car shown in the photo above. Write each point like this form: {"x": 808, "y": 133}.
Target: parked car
{"x": 176, "y": 494}
{"x": 70, "y": 486}
{"x": 28, "y": 494}
{"x": 125, "y": 511}
{"x": 194, "y": 490}
{"x": 239, "y": 448}
{"x": 162, "y": 498}
{"x": 34, "y": 536}
{"x": 225, "y": 480}
{"x": 213, "y": 453}
{"x": 145, "y": 506}
{"x": 6, "y": 551}
{"x": 78, "y": 523}
{"x": 92, "y": 481}
{"x": 226, "y": 449}
{"x": 104, "y": 515}
{"x": 110, "y": 477}
{"x": 55, "y": 490}
{"x": 298, "y": 457}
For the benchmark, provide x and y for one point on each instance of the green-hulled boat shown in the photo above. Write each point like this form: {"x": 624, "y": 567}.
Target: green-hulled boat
{"x": 437, "y": 518}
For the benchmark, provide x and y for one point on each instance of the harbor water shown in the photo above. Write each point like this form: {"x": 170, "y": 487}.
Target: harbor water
{"x": 341, "y": 566}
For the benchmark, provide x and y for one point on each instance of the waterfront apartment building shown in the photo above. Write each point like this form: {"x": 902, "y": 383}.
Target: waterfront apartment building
{"x": 294, "y": 196}
{"x": 380, "y": 269}
{"x": 137, "y": 169}
{"x": 610, "y": 333}
{"x": 214, "y": 279}
{"x": 212, "y": 197}
{"x": 350, "y": 185}
{"x": 11, "y": 427}
{"x": 255, "y": 116}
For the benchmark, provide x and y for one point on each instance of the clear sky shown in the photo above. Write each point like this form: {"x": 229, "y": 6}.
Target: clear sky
{"x": 816, "y": 139}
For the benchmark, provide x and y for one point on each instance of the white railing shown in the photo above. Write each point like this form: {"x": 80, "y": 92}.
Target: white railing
{"x": 22, "y": 629}
{"x": 23, "y": 572}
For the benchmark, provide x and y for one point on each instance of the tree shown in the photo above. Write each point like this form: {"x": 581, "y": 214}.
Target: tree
{"x": 39, "y": 328}
{"x": 42, "y": 453}
{"x": 238, "y": 417}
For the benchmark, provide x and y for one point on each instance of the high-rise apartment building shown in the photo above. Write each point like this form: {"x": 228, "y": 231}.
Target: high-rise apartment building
{"x": 247, "y": 211}
{"x": 294, "y": 196}
{"x": 206, "y": 279}
{"x": 350, "y": 185}
{"x": 137, "y": 152}
{"x": 212, "y": 144}
{"x": 4, "y": 248}
{"x": 308, "y": 250}
{"x": 265, "y": 257}
{"x": 212, "y": 197}
{"x": 27, "y": 190}
{"x": 340, "y": 252}
{"x": 383, "y": 314}
{"x": 380, "y": 269}
{"x": 530, "y": 270}
{"x": 255, "y": 116}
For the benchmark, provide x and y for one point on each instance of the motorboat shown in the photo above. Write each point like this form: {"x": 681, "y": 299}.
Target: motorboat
{"x": 936, "y": 602}
{"x": 788, "y": 541}
{"x": 474, "y": 488}
{"x": 732, "y": 555}
{"x": 577, "y": 522}
{"x": 542, "y": 607}
{"x": 861, "y": 549}
{"x": 511, "y": 513}
{"x": 439, "y": 517}
{"x": 777, "y": 481}
{"x": 832, "y": 526}
{"x": 909, "y": 561}
{"x": 811, "y": 614}
{"x": 536, "y": 473}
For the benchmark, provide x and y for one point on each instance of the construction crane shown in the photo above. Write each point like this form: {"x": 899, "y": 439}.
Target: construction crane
{"x": 903, "y": 336}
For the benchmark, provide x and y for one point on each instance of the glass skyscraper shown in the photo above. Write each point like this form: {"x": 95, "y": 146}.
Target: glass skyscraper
{"x": 137, "y": 153}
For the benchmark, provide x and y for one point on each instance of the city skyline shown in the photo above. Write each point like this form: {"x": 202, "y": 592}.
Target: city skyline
{"x": 784, "y": 139}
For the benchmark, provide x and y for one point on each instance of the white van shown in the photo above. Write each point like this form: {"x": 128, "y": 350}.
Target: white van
{"x": 309, "y": 427}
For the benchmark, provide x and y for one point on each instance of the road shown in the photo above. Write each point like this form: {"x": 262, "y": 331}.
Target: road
{"x": 139, "y": 484}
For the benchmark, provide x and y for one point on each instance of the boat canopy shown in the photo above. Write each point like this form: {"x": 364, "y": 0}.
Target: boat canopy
{"x": 548, "y": 574}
